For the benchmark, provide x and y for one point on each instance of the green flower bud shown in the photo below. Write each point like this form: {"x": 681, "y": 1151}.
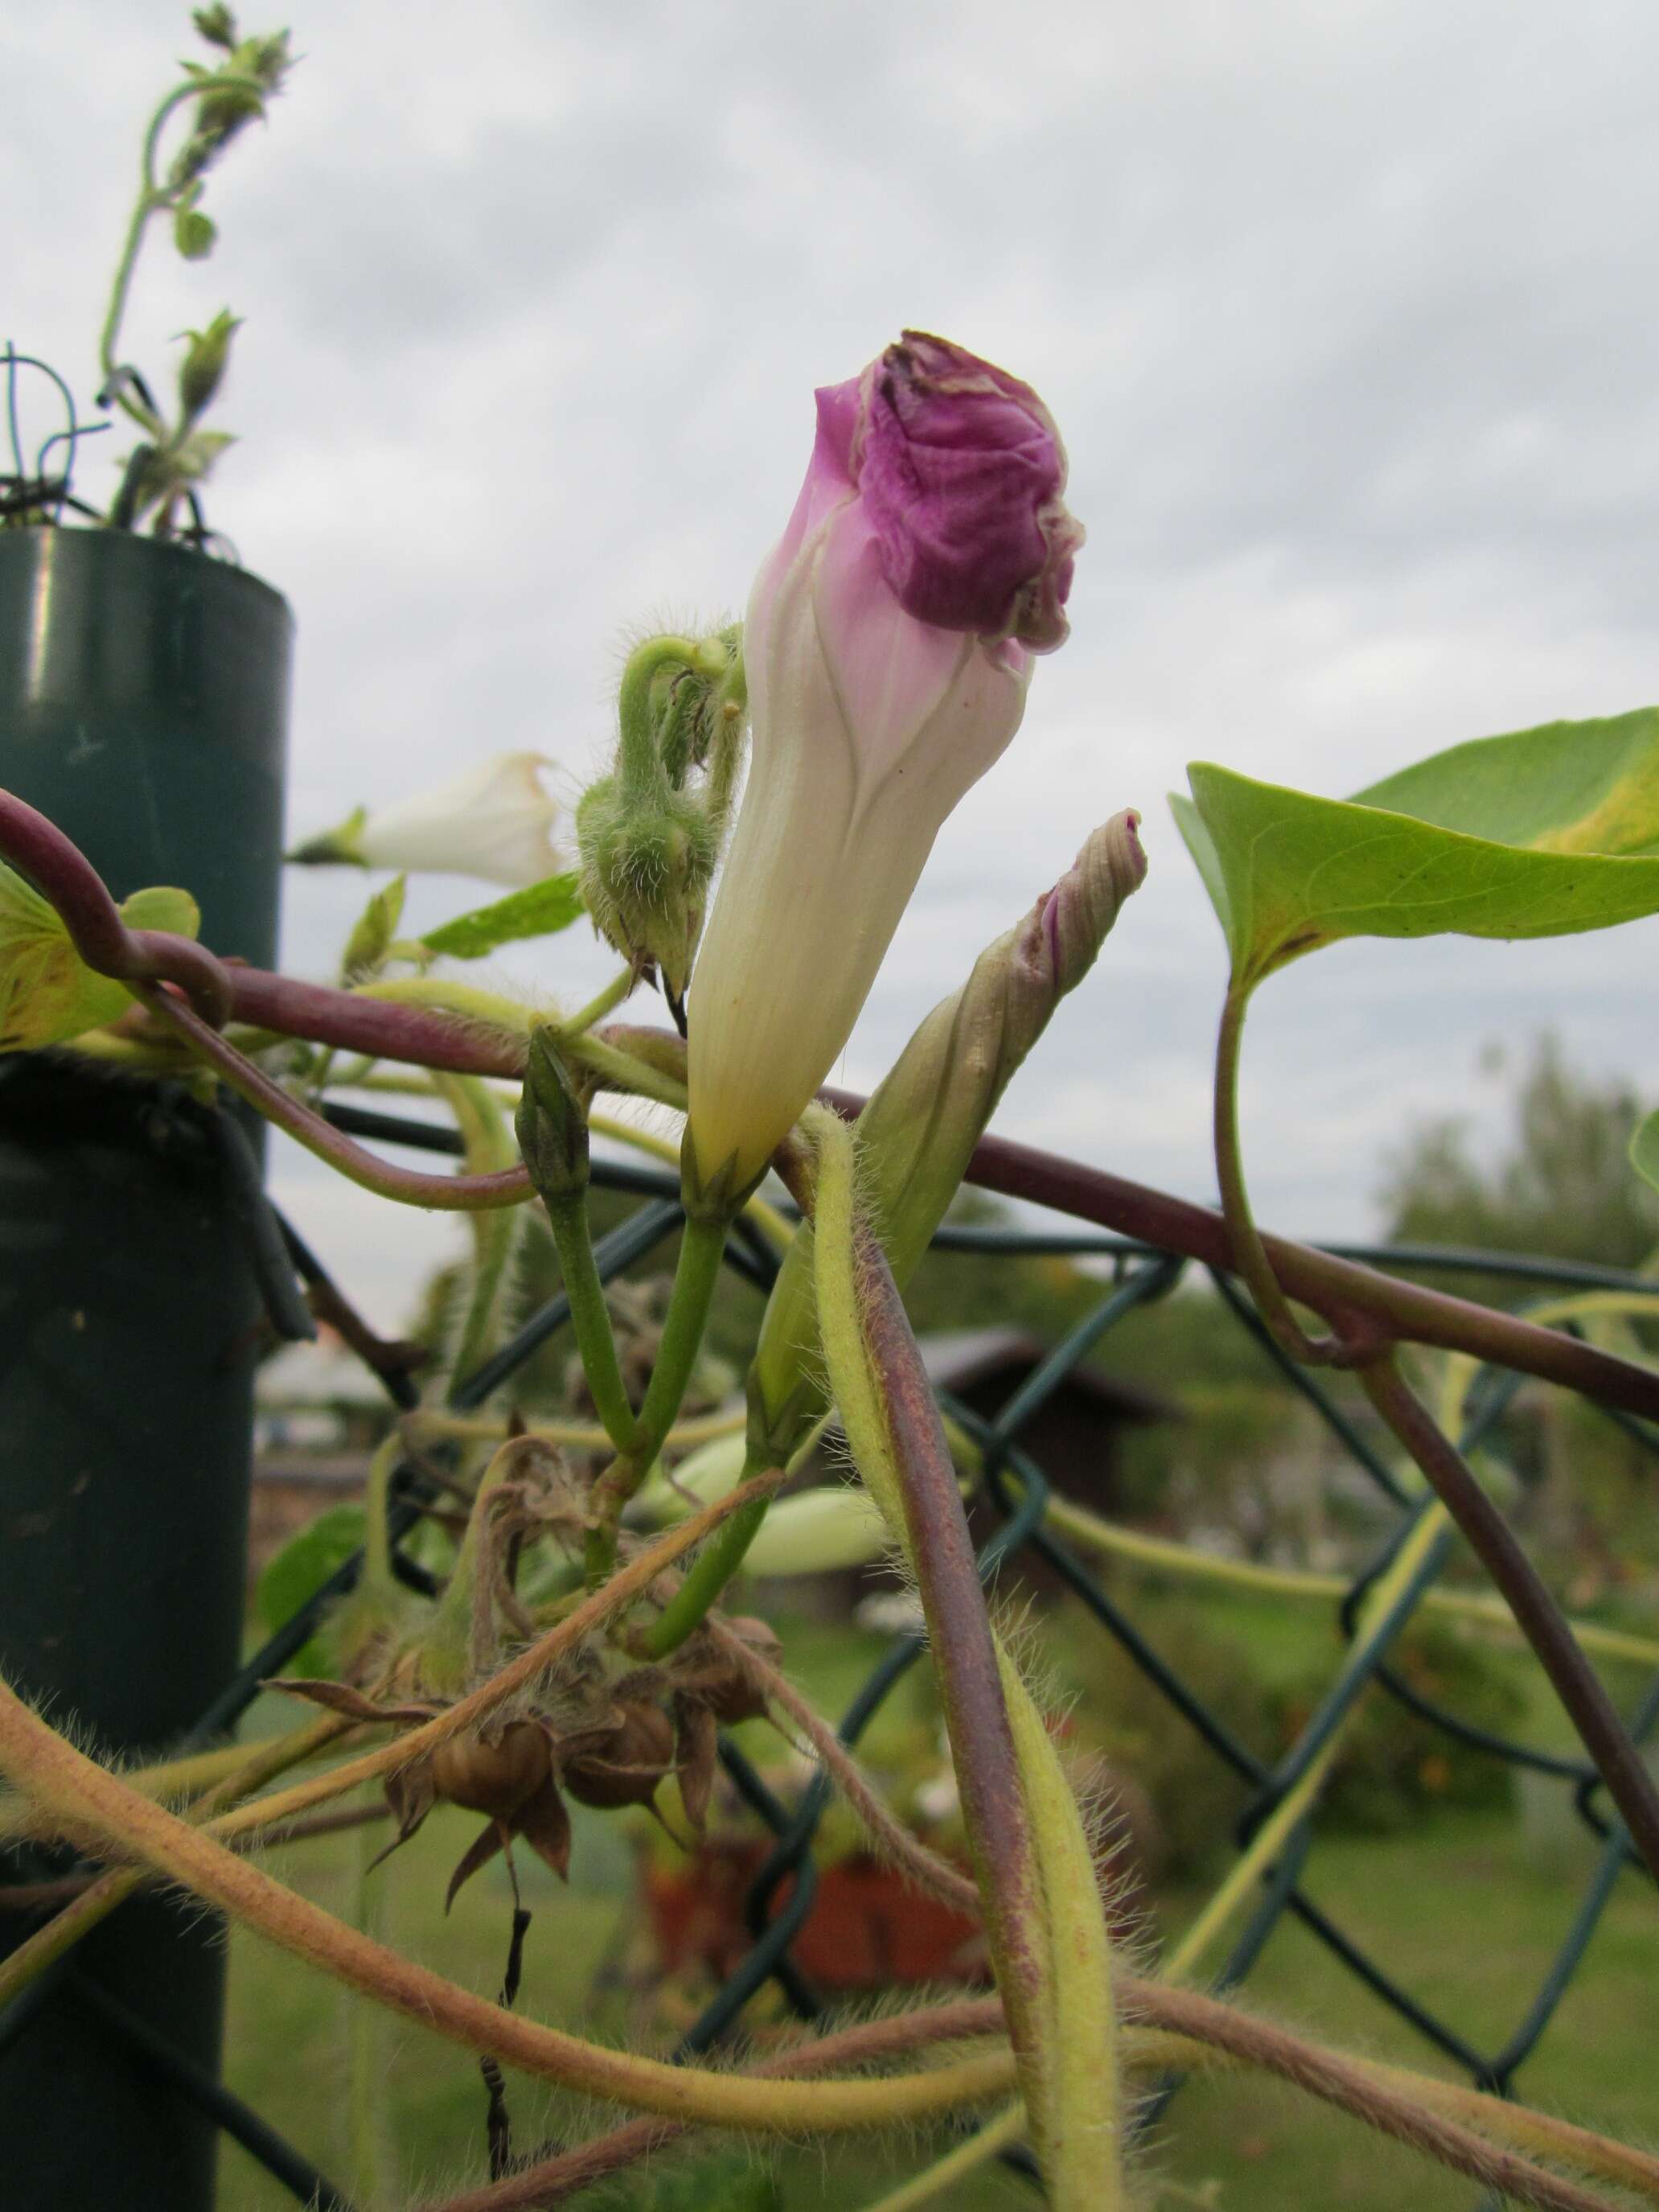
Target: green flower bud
{"x": 375, "y": 933}
{"x": 224, "y": 107}
{"x": 204, "y": 367}
{"x": 918, "y": 1131}
{"x": 218, "y": 26}
{"x": 650, "y": 833}
{"x": 552, "y": 1123}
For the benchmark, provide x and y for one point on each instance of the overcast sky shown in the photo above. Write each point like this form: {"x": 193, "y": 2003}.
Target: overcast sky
{"x": 1345, "y": 312}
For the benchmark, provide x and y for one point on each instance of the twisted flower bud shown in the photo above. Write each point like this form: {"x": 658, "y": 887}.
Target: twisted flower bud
{"x": 888, "y": 647}
{"x": 650, "y": 832}
{"x": 919, "y": 1130}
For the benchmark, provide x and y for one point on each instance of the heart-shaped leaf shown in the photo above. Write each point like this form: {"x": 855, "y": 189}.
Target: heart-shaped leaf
{"x": 539, "y": 911}
{"x": 47, "y": 992}
{"x": 1541, "y": 833}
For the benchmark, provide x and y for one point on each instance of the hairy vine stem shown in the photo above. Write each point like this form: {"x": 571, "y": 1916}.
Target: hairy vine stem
{"x": 1044, "y": 1921}
{"x": 1484, "y": 2137}
{"x": 37, "y": 1758}
{"x": 651, "y": 1062}
{"x": 1605, "y": 1736}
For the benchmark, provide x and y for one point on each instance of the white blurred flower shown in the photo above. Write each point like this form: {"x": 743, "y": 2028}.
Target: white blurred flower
{"x": 494, "y": 821}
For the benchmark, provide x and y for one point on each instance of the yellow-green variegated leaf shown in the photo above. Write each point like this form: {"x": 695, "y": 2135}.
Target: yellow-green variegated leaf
{"x": 47, "y": 992}
{"x": 1541, "y": 833}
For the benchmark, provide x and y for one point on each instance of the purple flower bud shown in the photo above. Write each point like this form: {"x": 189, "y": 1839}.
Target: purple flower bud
{"x": 960, "y": 472}
{"x": 887, "y": 651}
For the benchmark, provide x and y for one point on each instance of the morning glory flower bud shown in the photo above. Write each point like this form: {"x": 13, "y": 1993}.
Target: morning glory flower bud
{"x": 552, "y": 1123}
{"x": 203, "y": 369}
{"x": 918, "y": 1132}
{"x": 650, "y": 832}
{"x": 494, "y": 823}
{"x": 888, "y": 647}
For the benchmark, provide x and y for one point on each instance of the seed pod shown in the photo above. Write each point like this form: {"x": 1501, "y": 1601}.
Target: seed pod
{"x": 735, "y": 1696}
{"x": 495, "y": 1778}
{"x": 625, "y": 1767}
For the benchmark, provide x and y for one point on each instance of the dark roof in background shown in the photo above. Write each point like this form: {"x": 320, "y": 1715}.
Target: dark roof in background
{"x": 957, "y": 1358}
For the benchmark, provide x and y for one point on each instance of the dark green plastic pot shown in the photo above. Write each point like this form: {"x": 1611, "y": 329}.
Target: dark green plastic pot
{"x": 144, "y": 696}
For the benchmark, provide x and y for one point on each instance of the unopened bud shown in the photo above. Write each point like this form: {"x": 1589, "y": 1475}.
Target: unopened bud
{"x": 552, "y": 1123}
{"x": 375, "y": 933}
{"x": 646, "y": 870}
{"x": 650, "y": 833}
{"x": 218, "y": 26}
{"x": 204, "y": 367}
{"x": 918, "y": 1132}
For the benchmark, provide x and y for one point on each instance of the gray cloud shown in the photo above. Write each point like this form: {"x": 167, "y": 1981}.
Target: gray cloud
{"x": 1344, "y": 310}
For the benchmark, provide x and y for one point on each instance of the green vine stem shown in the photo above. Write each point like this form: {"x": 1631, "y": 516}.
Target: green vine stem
{"x": 1472, "y": 2134}
{"x": 1574, "y": 1680}
{"x": 153, "y": 199}
{"x": 100, "y": 1898}
{"x": 605, "y": 1002}
{"x": 433, "y": 1425}
{"x": 707, "y": 1577}
{"x": 702, "y": 1249}
{"x": 706, "y": 1583}
{"x": 1374, "y": 1629}
{"x": 590, "y": 1317}
{"x": 1250, "y": 1253}
{"x": 996, "y": 2134}
{"x": 43, "y": 1762}
{"x": 365, "y": 2026}
{"x": 489, "y": 1150}
{"x": 1162, "y": 1553}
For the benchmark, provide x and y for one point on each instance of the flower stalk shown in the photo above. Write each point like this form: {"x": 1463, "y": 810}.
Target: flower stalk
{"x": 552, "y": 1130}
{"x": 696, "y": 1274}
{"x": 1043, "y": 1917}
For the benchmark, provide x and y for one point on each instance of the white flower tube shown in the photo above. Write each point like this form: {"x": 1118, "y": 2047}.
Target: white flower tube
{"x": 888, "y": 649}
{"x": 494, "y": 821}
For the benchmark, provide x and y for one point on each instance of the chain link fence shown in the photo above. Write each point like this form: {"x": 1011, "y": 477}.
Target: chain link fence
{"x": 1018, "y": 1488}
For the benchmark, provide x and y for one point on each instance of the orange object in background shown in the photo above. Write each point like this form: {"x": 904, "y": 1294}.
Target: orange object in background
{"x": 868, "y": 1928}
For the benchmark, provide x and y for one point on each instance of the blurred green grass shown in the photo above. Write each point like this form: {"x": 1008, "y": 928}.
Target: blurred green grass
{"x": 1458, "y": 1913}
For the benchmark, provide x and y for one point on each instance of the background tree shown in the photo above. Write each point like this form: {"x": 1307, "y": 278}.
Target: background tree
{"x": 1563, "y": 1185}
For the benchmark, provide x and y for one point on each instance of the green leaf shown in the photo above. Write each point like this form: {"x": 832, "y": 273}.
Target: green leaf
{"x": 162, "y": 907}
{"x": 1644, "y": 1150}
{"x": 299, "y": 1570}
{"x": 193, "y": 457}
{"x": 539, "y": 911}
{"x": 376, "y": 929}
{"x": 47, "y": 992}
{"x": 1541, "y": 833}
